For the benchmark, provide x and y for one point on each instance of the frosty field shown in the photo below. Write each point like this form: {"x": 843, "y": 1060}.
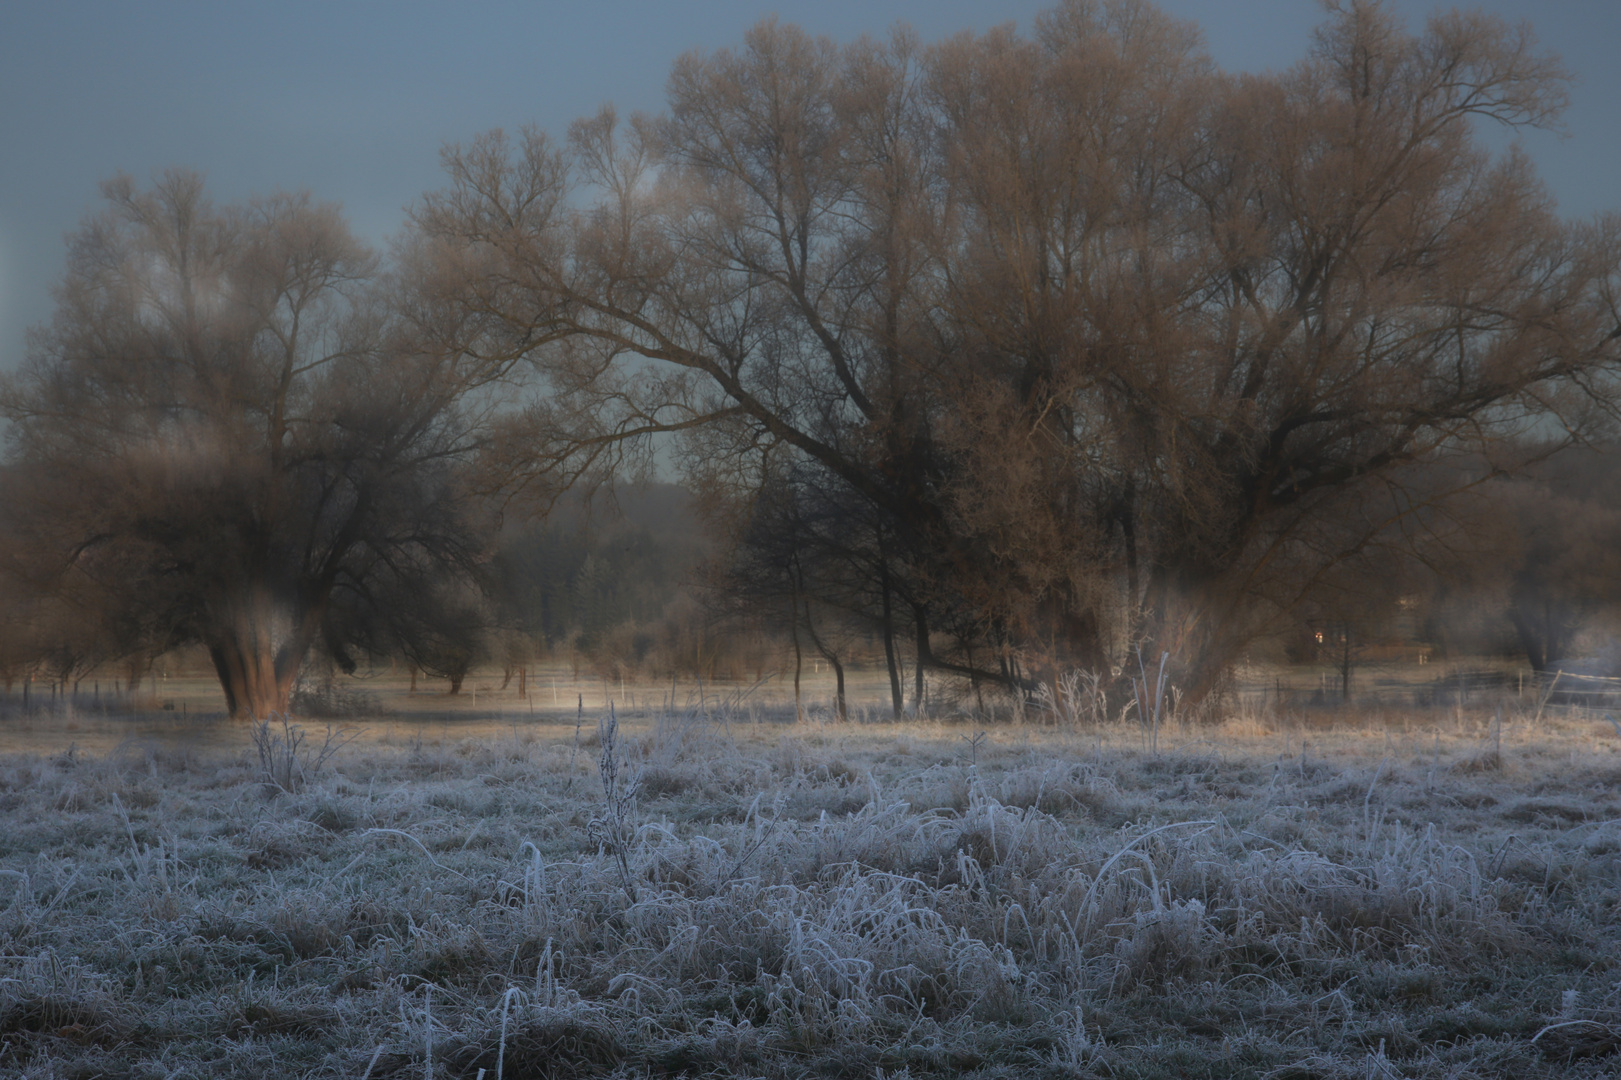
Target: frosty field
{"x": 1424, "y": 895}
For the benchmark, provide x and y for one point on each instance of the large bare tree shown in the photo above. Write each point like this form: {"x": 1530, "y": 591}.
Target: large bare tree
{"x": 231, "y": 433}
{"x": 1117, "y": 345}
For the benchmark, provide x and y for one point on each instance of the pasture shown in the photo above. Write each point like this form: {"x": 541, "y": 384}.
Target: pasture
{"x": 715, "y": 890}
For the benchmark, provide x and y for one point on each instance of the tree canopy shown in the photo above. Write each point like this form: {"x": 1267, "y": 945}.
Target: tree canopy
{"x": 1123, "y": 351}
{"x": 231, "y": 435}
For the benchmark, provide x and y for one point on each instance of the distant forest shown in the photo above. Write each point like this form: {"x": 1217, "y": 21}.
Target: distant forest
{"x": 614, "y": 587}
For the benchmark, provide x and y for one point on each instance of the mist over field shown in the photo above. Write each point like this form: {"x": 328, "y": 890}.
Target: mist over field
{"x": 1022, "y": 553}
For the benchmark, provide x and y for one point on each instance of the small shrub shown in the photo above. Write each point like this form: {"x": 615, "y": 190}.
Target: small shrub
{"x": 286, "y": 762}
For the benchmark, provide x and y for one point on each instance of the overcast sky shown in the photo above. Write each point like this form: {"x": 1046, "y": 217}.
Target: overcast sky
{"x": 352, "y": 99}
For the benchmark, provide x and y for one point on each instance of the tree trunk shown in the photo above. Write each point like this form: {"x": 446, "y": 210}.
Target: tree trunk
{"x": 1128, "y": 533}
{"x": 973, "y": 678}
{"x": 247, "y": 675}
{"x": 920, "y": 623}
{"x": 257, "y": 650}
{"x": 137, "y": 666}
{"x": 840, "y": 704}
{"x": 1345, "y": 665}
{"x": 1542, "y": 629}
{"x": 799, "y": 658}
{"x": 897, "y": 701}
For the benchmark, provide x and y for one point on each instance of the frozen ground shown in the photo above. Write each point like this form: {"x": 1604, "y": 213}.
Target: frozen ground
{"x": 1422, "y": 895}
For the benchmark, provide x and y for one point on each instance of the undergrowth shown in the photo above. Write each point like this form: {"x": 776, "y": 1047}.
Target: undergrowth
{"x": 699, "y": 899}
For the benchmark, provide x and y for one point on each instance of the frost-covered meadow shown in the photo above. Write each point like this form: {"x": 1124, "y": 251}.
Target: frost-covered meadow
{"x": 710, "y": 895}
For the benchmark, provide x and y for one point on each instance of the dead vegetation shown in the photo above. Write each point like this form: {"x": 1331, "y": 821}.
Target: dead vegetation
{"x": 757, "y": 899}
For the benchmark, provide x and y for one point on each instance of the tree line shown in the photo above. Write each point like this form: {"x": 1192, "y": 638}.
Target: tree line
{"x": 1017, "y": 353}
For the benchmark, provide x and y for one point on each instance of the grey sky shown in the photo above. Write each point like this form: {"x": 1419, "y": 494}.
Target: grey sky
{"x": 352, "y": 100}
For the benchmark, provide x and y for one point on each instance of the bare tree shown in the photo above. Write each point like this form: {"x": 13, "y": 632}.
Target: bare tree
{"x": 1376, "y": 292}
{"x": 1122, "y": 351}
{"x": 230, "y": 432}
{"x": 813, "y": 558}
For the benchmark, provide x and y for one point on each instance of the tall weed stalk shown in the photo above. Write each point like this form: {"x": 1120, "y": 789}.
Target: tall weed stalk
{"x": 615, "y": 827}
{"x": 1150, "y": 703}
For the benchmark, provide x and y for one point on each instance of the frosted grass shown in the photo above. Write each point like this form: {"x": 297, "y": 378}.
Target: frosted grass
{"x": 704, "y": 896}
